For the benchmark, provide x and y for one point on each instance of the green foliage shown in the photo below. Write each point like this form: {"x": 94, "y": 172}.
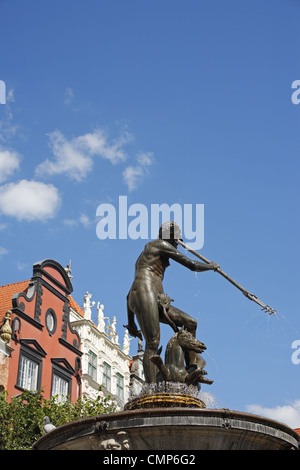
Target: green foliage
{"x": 22, "y": 418}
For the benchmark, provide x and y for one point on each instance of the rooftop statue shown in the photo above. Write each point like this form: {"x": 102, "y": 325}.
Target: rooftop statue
{"x": 87, "y": 306}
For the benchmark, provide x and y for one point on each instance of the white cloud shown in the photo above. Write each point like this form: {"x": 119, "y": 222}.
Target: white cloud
{"x": 22, "y": 266}
{"x": 3, "y": 251}
{"x": 145, "y": 159}
{"x": 29, "y": 200}
{"x": 69, "y": 95}
{"x": 7, "y": 129}
{"x": 74, "y": 157}
{"x": 69, "y": 222}
{"x": 69, "y": 159}
{"x": 10, "y": 96}
{"x": 83, "y": 220}
{"x": 288, "y": 414}
{"x": 132, "y": 175}
{"x": 9, "y": 162}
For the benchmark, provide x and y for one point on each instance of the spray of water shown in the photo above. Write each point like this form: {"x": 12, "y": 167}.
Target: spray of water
{"x": 175, "y": 388}
{"x": 209, "y": 399}
{"x": 166, "y": 387}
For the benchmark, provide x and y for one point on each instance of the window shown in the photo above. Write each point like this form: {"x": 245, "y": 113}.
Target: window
{"x": 30, "y": 365}
{"x": 92, "y": 365}
{"x": 106, "y": 376}
{"x": 51, "y": 321}
{"x": 120, "y": 386}
{"x": 60, "y": 387}
{"x": 62, "y": 374}
{"x": 28, "y": 373}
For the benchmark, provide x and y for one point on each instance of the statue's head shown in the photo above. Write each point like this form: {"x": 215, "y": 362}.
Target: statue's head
{"x": 171, "y": 232}
{"x": 188, "y": 342}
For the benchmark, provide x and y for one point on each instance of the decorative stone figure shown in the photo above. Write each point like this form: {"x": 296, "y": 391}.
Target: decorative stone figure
{"x": 118, "y": 442}
{"x": 6, "y": 331}
{"x": 126, "y": 343}
{"x": 87, "y": 306}
{"x": 101, "y": 317}
{"x": 69, "y": 271}
{"x": 113, "y": 333}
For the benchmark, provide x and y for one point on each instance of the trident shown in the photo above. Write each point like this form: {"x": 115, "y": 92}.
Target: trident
{"x": 250, "y": 296}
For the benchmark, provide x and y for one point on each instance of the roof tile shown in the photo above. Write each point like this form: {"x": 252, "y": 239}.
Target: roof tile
{"x": 8, "y": 290}
{"x": 75, "y": 306}
{"x": 6, "y": 293}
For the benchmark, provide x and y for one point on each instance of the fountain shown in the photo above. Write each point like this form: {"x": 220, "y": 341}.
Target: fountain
{"x": 168, "y": 413}
{"x": 157, "y": 424}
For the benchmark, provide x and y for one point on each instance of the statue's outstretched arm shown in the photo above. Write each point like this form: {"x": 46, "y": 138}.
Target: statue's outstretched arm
{"x": 171, "y": 252}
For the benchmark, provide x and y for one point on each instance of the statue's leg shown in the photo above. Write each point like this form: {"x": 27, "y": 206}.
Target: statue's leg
{"x": 157, "y": 360}
{"x": 197, "y": 376}
{"x": 146, "y": 310}
{"x": 181, "y": 318}
{"x": 131, "y": 327}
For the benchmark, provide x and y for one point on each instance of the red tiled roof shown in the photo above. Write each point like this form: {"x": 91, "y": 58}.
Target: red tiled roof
{"x": 6, "y": 293}
{"x": 74, "y": 305}
{"x": 297, "y": 430}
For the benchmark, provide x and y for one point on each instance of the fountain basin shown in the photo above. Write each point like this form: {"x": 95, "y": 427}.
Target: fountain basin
{"x": 172, "y": 429}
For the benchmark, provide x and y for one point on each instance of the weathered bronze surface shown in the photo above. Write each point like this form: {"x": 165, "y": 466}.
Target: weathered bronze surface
{"x": 174, "y": 368}
{"x": 147, "y": 289}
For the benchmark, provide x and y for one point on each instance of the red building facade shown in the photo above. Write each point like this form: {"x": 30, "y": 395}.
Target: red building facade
{"x": 45, "y": 350}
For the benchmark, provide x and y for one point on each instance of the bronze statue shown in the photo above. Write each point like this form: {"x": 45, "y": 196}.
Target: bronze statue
{"x": 174, "y": 368}
{"x": 146, "y": 301}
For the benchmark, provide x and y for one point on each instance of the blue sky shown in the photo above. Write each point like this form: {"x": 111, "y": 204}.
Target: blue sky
{"x": 163, "y": 102}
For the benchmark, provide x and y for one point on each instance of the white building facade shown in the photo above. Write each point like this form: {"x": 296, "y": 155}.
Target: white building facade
{"x": 105, "y": 362}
